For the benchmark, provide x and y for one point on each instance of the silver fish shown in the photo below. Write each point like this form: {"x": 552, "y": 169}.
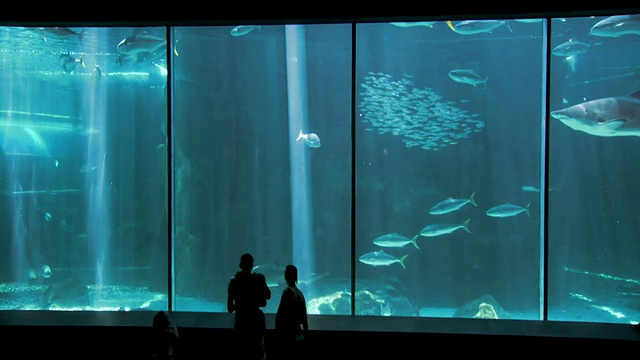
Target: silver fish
{"x": 97, "y": 72}
{"x": 529, "y": 21}
{"x": 507, "y": 210}
{"x": 451, "y": 204}
{"x": 244, "y": 30}
{"x": 141, "y": 45}
{"x": 412, "y": 24}
{"x": 571, "y": 48}
{"x": 381, "y": 258}
{"x": 443, "y": 229}
{"x": 395, "y": 240}
{"x": 530, "y": 188}
{"x": 611, "y": 116}
{"x": 471, "y": 27}
{"x": 616, "y": 26}
{"x": 466, "y": 76}
{"x": 61, "y": 33}
{"x": 311, "y": 139}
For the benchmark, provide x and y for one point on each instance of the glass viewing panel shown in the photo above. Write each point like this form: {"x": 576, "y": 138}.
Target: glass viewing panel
{"x": 448, "y": 168}
{"x": 82, "y": 161}
{"x": 593, "y": 178}
{"x": 262, "y": 137}
{"x": 448, "y": 165}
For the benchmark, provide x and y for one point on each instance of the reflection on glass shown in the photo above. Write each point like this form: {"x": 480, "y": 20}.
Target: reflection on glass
{"x": 83, "y": 227}
{"x": 262, "y": 136}
{"x": 448, "y": 165}
{"x": 593, "y": 199}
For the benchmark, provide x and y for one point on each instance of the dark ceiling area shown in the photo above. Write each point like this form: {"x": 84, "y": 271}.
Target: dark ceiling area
{"x": 223, "y": 14}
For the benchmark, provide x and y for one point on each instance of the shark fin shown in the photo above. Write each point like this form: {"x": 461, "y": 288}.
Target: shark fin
{"x": 635, "y": 95}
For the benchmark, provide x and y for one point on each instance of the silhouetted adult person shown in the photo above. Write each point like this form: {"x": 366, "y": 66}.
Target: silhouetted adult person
{"x": 246, "y": 294}
{"x": 165, "y": 337}
{"x": 291, "y": 317}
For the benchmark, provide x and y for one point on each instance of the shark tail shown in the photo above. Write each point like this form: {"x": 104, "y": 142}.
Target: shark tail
{"x": 300, "y": 135}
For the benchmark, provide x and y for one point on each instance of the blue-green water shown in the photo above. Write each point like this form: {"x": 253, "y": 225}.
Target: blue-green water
{"x": 85, "y": 170}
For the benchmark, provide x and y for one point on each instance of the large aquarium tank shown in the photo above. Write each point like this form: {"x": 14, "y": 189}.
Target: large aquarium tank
{"x": 468, "y": 169}
{"x": 83, "y": 154}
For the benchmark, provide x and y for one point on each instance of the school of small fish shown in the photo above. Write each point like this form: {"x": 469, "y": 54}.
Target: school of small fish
{"x": 419, "y": 116}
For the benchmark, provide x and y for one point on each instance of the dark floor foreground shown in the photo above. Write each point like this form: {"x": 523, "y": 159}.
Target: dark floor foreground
{"x": 114, "y": 342}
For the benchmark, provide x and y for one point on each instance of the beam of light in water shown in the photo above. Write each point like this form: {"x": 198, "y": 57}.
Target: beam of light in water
{"x": 607, "y": 309}
{"x": 36, "y": 116}
{"x": 601, "y": 275}
{"x": 51, "y": 192}
{"x": 301, "y": 199}
{"x": 98, "y": 207}
{"x": 18, "y": 240}
{"x": 605, "y": 78}
{"x": 41, "y": 127}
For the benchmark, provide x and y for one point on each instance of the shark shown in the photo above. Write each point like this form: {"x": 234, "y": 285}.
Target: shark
{"x": 609, "y": 116}
{"x": 616, "y": 26}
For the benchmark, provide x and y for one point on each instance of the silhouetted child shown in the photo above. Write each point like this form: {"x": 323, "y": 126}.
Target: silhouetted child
{"x": 165, "y": 337}
{"x": 246, "y": 294}
{"x": 291, "y": 317}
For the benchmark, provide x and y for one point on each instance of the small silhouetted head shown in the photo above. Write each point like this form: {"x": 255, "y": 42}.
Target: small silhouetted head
{"x": 246, "y": 262}
{"x": 161, "y": 320}
{"x": 291, "y": 274}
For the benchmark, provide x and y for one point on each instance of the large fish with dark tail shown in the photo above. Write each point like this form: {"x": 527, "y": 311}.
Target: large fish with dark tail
{"x": 610, "y": 116}
{"x": 61, "y": 33}
{"x": 141, "y": 44}
{"x": 616, "y": 26}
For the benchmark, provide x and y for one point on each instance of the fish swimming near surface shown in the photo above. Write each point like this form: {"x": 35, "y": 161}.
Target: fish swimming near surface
{"x": 141, "y": 44}
{"x": 312, "y": 140}
{"x": 528, "y": 21}
{"x": 616, "y": 26}
{"x": 508, "y": 210}
{"x": 466, "y": 76}
{"x": 61, "y": 33}
{"x": 395, "y": 240}
{"x": 451, "y": 204}
{"x": 428, "y": 24}
{"x": 381, "y": 258}
{"x": 69, "y": 63}
{"x": 610, "y": 116}
{"x": 244, "y": 30}
{"x": 443, "y": 229}
{"x": 472, "y": 27}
